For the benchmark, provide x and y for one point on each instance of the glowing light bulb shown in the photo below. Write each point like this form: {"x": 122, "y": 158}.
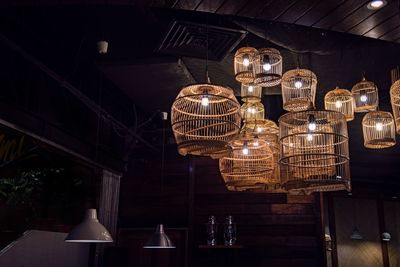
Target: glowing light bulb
{"x": 245, "y": 149}
{"x": 252, "y": 110}
{"x": 298, "y": 83}
{"x": 256, "y": 143}
{"x": 379, "y": 126}
{"x": 309, "y": 137}
{"x": 363, "y": 98}
{"x": 376, "y": 4}
{"x": 312, "y": 125}
{"x": 267, "y": 66}
{"x": 205, "y": 101}
{"x": 250, "y": 88}
{"x": 338, "y": 104}
{"x": 246, "y": 61}
{"x": 259, "y": 129}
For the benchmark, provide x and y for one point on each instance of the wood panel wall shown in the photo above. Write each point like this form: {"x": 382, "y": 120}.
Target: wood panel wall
{"x": 274, "y": 229}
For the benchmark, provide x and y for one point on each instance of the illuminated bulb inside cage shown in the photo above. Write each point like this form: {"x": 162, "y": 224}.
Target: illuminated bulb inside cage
{"x": 252, "y": 110}
{"x": 259, "y": 129}
{"x": 256, "y": 143}
{"x": 363, "y": 98}
{"x": 266, "y": 63}
{"x": 312, "y": 125}
{"x": 309, "y": 137}
{"x": 246, "y": 61}
{"x": 250, "y": 88}
{"x": 338, "y": 104}
{"x": 379, "y": 126}
{"x": 298, "y": 83}
{"x": 205, "y": 101}
{"x": 245, "y": 149}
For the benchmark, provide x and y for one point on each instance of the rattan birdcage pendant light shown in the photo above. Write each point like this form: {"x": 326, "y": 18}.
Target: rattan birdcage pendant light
{"x": 298, "y": 89}
{"x": 250, "y": 111}
{"x": 249, "y": 162}
{"x": 340, "y": 100}
{"x": 378, "y": 130}
{"x": 250, "y": 92}
{"x": 204, "y": 118}
{"x": 244, "y": 64}
{"x": 267, "y": 66}
{"x": 395, "y": 101}
{"x": 314, "y": 151}
{"x": 365, "y": 96}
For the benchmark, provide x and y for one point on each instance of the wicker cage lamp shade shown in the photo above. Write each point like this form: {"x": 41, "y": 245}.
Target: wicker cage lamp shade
{"x": 340, "y": 100}
{"x": 267, "y": 66}
{"x": 250, "y": 93}
{"x": 249, "y": 162}
{"x": 378, "y": 130}
{"x": 365, "y": 96}
{"x": 243, "y": 64}
{"x": 298, "y": 89}
{"x": 395, "y": 100}
{"x": 250, "y": 111}
{"x": 204, "y": 119}
{"x": 314, "y": 151}
{"x": 268, "y": 131}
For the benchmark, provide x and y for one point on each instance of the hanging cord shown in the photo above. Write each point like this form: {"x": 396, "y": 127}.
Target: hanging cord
{"x": 164, "y": 117}
{"x": 99, "y": 116}
{"x": 207, "y": 76}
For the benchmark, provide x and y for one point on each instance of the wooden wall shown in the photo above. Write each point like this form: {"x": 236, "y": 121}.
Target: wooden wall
{"x": 275, "y": 229}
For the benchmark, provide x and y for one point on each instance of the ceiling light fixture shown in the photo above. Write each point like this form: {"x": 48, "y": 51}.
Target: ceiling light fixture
{"x": 376, "y": 4}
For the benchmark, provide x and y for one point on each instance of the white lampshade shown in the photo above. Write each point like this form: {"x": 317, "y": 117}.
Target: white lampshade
{"x": 159, "y": 239}
{"x": 90, "y": 230}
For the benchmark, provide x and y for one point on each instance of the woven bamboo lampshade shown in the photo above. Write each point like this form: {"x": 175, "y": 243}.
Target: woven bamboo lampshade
{"x": 267, "y": 67}
{"x": 395, "y": 100}
{"x": 340, "y": 100}
{"x": 314, "y": 151}
{"x": 251, "y": 93}
{"x": 269, "y": 132}
{"x": 244, "y": 58}
{"x": 378, "y": 129}
{"x": 252, "y": 111}
{"x": 249, "y": 162}
{"x": 365, "y": 95}
{"x": 204, "y": 119}
{"x": 298, "y": 89}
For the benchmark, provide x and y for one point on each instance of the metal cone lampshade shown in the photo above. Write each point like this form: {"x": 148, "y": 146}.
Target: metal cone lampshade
{"x": 159, "y": 239}
{"x": 89, "y": 231}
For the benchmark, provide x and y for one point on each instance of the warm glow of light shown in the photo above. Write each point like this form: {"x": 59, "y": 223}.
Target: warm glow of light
{"x": 363, "y": 98}
{"x": 338, "y": 104}
{"x": 309, "y": 137}
{"x": 205, "y": 101}
{"x": 245, "y": 149}
{"x": 259, "y": 129}
{"x": 312, "y": 126}
{"x": 252, "y": 110}
{"x": 298, "y": 83}
{"x": 256, "y": 143}
{"x": 250, "y": 88}
{"x": 246, "y": 61}
{"x": 376, "y": 4}
{"x": 267, "y": 66}
{"x": 379, "y": 126}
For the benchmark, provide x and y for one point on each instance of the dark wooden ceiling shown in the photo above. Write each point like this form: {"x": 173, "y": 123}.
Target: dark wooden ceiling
{"x": 349, "y": 16}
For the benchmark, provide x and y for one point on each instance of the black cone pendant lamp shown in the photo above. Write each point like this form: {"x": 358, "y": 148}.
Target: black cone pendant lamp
{"x": 160, "y": 239}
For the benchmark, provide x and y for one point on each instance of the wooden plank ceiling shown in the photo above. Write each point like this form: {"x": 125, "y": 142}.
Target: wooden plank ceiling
{"x": 349, "y": 16}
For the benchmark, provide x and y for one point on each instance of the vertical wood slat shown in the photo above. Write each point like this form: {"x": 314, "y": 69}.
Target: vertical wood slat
{"x": 381, "y": 220}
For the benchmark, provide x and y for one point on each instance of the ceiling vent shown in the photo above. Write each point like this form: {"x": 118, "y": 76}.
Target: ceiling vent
{"x": 190, "y": 40}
